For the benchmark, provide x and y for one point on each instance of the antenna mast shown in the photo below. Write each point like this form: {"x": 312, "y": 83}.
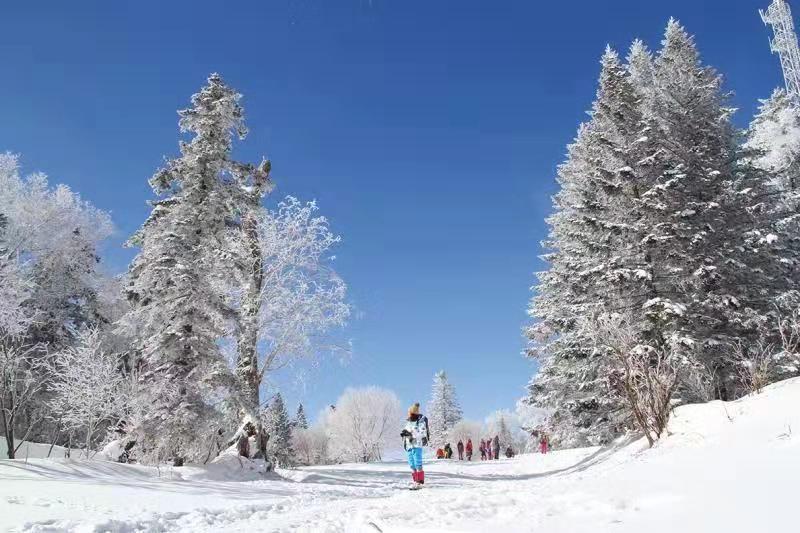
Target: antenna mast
{"x": 779, "y": 16}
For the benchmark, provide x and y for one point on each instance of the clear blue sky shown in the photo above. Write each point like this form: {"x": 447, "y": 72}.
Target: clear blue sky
{"x": 429, "y": 132}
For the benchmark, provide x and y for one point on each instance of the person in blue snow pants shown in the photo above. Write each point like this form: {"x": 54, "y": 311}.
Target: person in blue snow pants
{"x": 415, "y": 436}
{"x": 415, "y": 459}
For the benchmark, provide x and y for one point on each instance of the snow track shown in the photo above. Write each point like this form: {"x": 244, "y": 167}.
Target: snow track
{"x": 725, "y": 467}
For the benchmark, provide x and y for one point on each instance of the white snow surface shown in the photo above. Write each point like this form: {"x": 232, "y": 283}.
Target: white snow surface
{"x": 727, "y": 467}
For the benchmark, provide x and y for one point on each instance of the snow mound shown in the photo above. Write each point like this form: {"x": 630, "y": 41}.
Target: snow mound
{"x": 230, "y": 466}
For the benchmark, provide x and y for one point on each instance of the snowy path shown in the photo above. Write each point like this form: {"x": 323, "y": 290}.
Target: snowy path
{"x": 726, "y": 467}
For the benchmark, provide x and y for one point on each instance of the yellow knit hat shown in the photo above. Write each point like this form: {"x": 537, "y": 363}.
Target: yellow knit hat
{"x": 414, "y": 409}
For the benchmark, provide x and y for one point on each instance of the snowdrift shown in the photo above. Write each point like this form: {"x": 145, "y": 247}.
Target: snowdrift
{"x": 727, "y": 467}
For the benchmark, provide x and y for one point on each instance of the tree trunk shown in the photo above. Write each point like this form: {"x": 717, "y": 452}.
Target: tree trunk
{"x": 8, "y": 429}
{"x": 247, "y": 344}
{"x": 88, "y": 439}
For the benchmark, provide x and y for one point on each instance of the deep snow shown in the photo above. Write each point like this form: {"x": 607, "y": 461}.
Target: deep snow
{"x": 728, "y": 467}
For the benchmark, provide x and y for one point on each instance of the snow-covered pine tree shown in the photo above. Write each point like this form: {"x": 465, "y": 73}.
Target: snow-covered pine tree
{"x": 279, "y": 427}
{"x": 773, "y": 146}
{"x": 176, "y": 283}
{"x": 300, "y": 419}
{"x": 444, "y": 410}
{"x": 595, "y": 262}
{"x": 699, "y": 211}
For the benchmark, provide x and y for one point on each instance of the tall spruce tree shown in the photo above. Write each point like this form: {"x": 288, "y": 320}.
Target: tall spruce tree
{"x": 595, "y": 264}
{"x": 444, "y": 410}
{"x": 773, "y": 147}
{"x": 176, "y": 283}
{"x": 300, "y": 420}
{"x": 700, "y": 210}
{"x": 279, "y": 427}
{"x": 655, "y": 220}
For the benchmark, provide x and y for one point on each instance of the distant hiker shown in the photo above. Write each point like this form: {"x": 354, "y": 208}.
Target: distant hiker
{"x": 482, "y": 449}
{"x": 509, "y": 452}
{"x": 469, "y": 449}
{"x": 544, "y": 443}
{"x": 448, "y": 451}
{"x": 415, "y": 436}
{"x": 460, "y": 448}
{"x": 440, "y": 453}
{"x": 489, "y": 454}
{"x": 496, "y": 447}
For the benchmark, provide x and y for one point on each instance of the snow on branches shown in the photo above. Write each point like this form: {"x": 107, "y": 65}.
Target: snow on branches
{"x": 363, "y": 422}
{"x": 88, "y": 388}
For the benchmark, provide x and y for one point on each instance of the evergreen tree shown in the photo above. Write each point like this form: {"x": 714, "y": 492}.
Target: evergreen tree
{"x": 595, "y": 263}
{"x": 654, "y": 220}
{"x": 300, "y": 420}
{"x": 279, "y": 427}
{"x": 444, "y": 411}
{"x": 176, "y": 282}
{"x": 773, "y": 146}
{"x": 700, "y": 210}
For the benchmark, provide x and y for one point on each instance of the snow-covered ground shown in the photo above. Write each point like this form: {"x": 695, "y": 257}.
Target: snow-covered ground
{"x": 727, "y": 467}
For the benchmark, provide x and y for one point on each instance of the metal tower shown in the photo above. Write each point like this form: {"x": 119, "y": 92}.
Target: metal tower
{"x": 779, "y": 16}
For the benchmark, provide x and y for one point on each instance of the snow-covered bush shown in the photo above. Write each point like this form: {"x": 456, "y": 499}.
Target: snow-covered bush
{"x": 88, "y": 387}
{"x": 363, "y": 423}
{"x": 645, "y": 376}
{"x": 755, "y": 365}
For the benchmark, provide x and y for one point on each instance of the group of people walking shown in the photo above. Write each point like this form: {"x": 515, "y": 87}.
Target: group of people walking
{"x": 489, "y": 448}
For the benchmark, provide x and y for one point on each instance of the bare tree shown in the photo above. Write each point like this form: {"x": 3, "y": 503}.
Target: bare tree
{"x": 465, "y": 430}
{"x": 754, "y": 364}
{"x": 644, "y": 375}
{"x": 363, "y": 422}
{"x": 789, "y": 330}
{"x": 310, "y": 445}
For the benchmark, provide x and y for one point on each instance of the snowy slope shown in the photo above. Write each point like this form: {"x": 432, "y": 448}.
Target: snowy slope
{"x": 725, "y": 467}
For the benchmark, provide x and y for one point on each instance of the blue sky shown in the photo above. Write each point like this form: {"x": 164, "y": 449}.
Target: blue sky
{"x": 429, "y": 133}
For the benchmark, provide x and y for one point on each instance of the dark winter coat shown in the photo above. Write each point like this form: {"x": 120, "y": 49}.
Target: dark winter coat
{"x": 460, "y": 447}
{"x": 496, "y": 444}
